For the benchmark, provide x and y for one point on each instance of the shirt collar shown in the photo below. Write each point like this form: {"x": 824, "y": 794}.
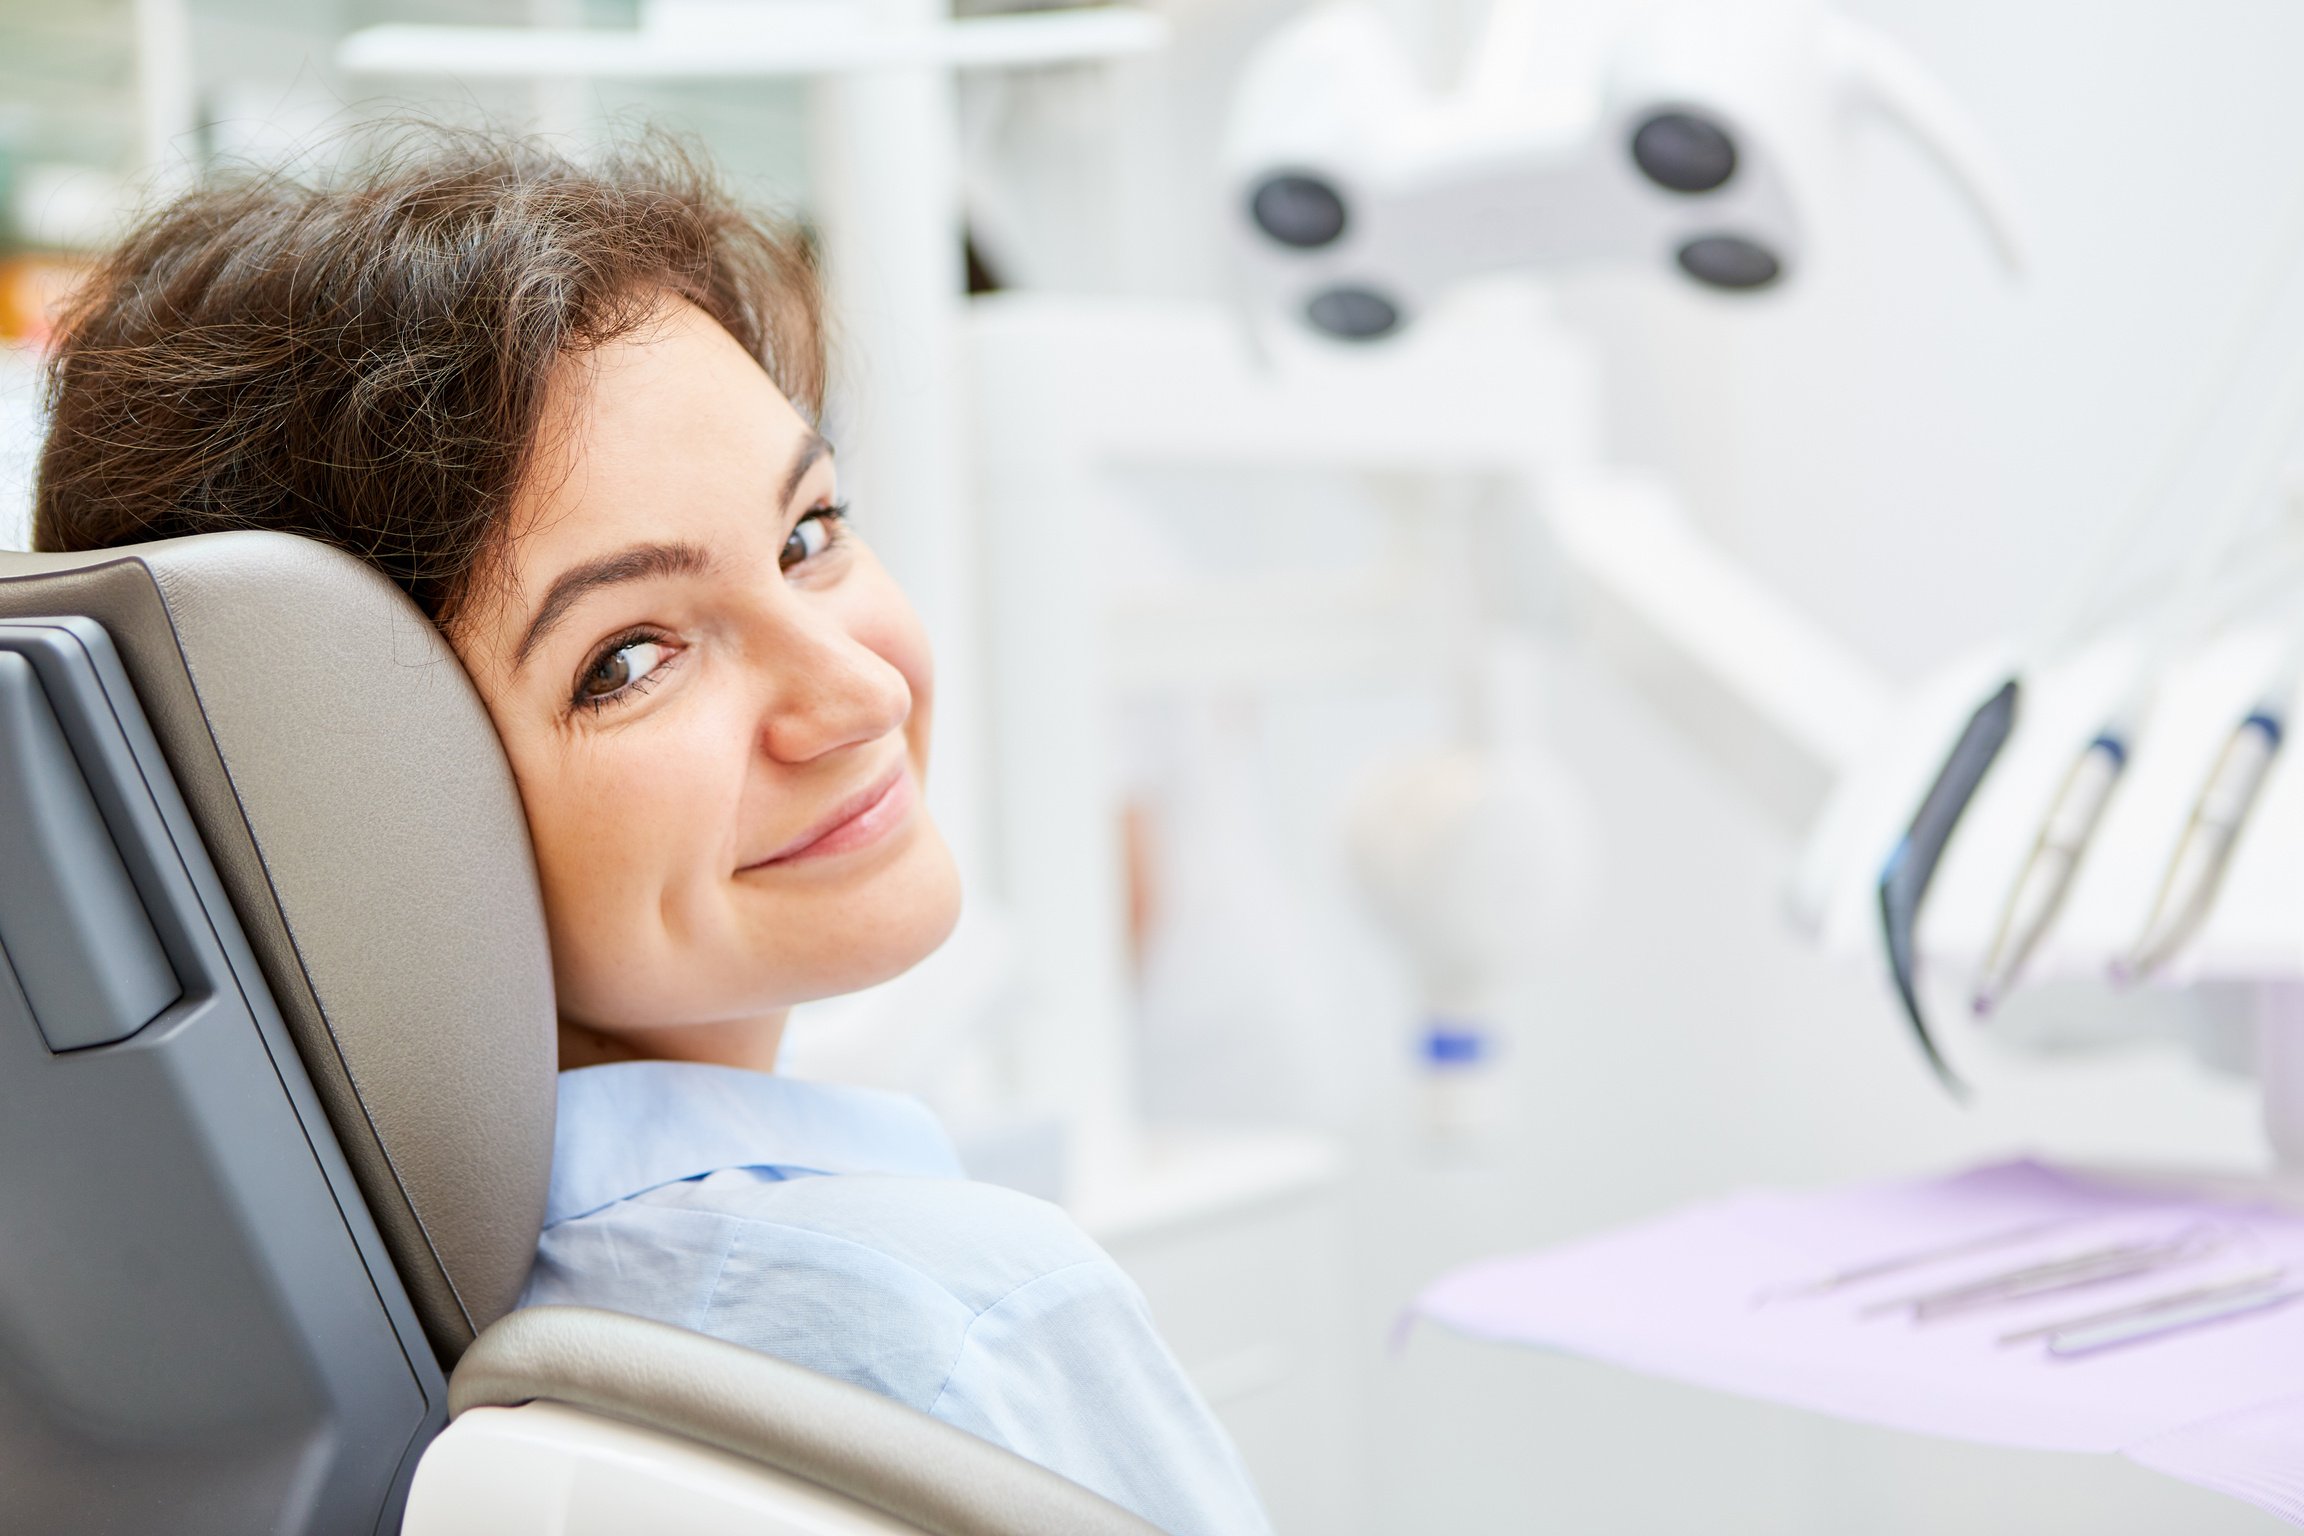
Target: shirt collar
{"x": 633, "y": 1126}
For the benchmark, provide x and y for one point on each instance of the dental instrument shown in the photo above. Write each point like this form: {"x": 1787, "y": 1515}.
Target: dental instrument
{"x": 2188, "y": 890}
{"x": 2197, "y": 870}
{"x": 2260, "y": 1280}
{"x": 2078, "y": 809}
{"x": 2055, "y": 859}
{"x": 1912, "y": 864}
{"x": 1671, "y": 1297}
{"x": 1898, "y": 1263}
{"x": 2079, "y": 1342}
{"x": 2072, "y": 819}
{"x": 2078, "y": 1278}
{"x": 2117, "y": 1261}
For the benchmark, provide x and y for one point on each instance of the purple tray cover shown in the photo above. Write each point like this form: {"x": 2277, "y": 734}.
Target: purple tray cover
{"x": 1726, "y": 1295}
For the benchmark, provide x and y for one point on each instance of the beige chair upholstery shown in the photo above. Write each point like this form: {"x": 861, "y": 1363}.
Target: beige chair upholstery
{"x": 350, "y": 789}
{"x": 937, "y": 1479}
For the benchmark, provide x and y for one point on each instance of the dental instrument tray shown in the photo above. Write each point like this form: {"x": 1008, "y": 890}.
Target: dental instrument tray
{"x": 2014, "y": 1305}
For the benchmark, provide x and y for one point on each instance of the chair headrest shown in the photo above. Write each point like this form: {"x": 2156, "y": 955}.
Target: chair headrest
{"x": 360, "y": 813}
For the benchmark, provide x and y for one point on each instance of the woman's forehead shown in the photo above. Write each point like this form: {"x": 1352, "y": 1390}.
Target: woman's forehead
{"x": 674, "y": 413}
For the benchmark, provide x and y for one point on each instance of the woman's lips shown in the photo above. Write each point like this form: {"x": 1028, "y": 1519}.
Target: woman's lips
{"x": 863, "y": 820}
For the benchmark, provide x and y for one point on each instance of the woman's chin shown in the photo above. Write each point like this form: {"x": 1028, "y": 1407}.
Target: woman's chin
{"x": 925, "y": 918}
{"x": 878, "y": 932}
{"x": 773, "y": 945}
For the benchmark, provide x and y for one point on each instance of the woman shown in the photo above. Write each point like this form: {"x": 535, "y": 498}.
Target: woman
{"x": 571, "y": 412}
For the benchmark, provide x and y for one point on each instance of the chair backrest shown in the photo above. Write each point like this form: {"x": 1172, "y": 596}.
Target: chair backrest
{"x": 352, "y": 794}
{"x": 276, "y": 1038}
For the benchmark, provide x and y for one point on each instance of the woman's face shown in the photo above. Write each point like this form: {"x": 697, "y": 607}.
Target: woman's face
{"x": 715, "y": 700}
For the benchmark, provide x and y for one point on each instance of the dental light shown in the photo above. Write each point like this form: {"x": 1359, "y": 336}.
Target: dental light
{"x": 1699, "y": 139}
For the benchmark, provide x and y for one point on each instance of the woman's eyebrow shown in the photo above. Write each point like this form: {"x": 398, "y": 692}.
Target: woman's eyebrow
{"x": 572, "y": 586}
{"x": 812, "y": 448}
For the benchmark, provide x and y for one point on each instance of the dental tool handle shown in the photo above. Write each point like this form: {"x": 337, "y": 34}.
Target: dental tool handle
{"x": 2247, "y": 759}
{"x": 2189, "y": 890}
{"x": 2086, "y": 792}
{"x": 2055, "y": 860}
{"x": 1911, "y": 865}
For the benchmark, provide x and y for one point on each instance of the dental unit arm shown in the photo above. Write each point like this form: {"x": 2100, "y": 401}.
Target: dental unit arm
{"x": 1703, "y": 140}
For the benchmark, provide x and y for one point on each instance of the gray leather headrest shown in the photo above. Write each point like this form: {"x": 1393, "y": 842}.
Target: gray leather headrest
{"x": 360, "y": 813}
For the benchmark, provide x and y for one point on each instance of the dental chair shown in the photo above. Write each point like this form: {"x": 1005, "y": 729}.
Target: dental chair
{"x": 276, "y": 1098}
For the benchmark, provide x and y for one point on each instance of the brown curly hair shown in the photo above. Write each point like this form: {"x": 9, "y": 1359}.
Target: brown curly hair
{"x": 363, "y": 358}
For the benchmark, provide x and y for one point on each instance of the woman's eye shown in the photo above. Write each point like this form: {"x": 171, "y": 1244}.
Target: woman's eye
{"x": 811, "y": 536}
{"x": 628, "y": 665}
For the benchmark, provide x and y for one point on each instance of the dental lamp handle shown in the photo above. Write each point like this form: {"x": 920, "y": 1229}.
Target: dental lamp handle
{"x": 1877, "y": 71}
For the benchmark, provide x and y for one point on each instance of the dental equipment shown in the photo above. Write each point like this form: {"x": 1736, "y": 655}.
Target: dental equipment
{"x": 1672, "y": 1297}
{"x": 1698, "y": 140}
{"x": 2260, "y": 1280}
{"x": 2097, "y": 1266}
{"x": 2196, "y": 871}
{"x": 2073, "y": 816}
{"x": 2078, "y": 1342}
{"x": 1912, "y": 863}
{"x": 1899, "y": 1263}
{"x": 1476, "y": 860}
{"x": 2055, "y": 859}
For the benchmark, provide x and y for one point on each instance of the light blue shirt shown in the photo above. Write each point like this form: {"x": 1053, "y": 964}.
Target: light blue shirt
{"x": 833, "y": 1227}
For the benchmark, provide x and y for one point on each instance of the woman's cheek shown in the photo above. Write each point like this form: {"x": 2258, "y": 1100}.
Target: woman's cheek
{"x": 603, "y": 840}
{"x": 623, "y": 863}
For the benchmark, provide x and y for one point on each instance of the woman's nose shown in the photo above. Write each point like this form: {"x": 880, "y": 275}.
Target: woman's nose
{"x": 830, "y": 690}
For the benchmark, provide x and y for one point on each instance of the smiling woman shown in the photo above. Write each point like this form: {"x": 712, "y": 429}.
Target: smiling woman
{"x": 570, "y": 410}
{"x": 716, "y": 704}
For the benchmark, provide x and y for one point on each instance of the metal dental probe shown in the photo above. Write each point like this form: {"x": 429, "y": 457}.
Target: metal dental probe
{"x": 2246, "y": 1283}
{"x": 2115, "y": 1261}
{"x": 2078, "y": 1342}
{"x": 2056, "y": 1285}
{"x": 1920, "y": 1258}
{"x": 2003, "y": 1279}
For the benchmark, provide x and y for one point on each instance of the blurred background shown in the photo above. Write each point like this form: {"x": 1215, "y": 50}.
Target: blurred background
{"x": 1404, "y": 746}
